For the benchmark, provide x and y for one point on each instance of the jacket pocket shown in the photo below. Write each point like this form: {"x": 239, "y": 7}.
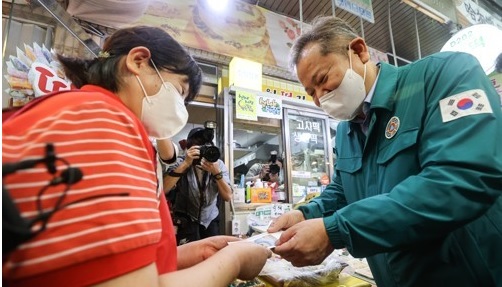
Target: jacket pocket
{"x": 392, "y": 147}
{"x": 349, "y": 165}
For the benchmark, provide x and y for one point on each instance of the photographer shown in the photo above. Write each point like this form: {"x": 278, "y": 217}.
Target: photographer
{"x": 194, "y": 183}
{"x": 267, "y": 172}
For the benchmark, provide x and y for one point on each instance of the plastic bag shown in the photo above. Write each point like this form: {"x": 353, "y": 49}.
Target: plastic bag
{"x": 250, "y": 283}
{"x": 282, "y": 273}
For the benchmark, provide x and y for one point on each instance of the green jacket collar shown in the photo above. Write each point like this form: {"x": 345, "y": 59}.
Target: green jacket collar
{"x": 385, "y": 89}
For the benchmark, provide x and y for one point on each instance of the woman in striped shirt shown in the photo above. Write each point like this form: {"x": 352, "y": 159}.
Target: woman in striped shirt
{"x": 113, "y": 227}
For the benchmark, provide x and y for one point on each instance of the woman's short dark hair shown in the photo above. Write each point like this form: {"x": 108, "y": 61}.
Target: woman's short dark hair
{"x": 165, "y": 52}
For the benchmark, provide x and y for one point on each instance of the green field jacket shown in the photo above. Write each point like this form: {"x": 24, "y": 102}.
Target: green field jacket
{"x": 419, "y": 196}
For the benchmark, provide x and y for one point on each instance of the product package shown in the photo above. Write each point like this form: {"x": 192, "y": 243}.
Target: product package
{"x": 281, "y": 273}
{"x": 250, "y": 283}
{"x": 32, "y": 73}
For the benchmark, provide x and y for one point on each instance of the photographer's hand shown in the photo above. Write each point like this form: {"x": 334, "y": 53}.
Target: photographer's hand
{"x": 212, "y": 167}
{"x": 265, "y": 168}
{"x": 192, "y": 153}
{"x": 173, "y": 176}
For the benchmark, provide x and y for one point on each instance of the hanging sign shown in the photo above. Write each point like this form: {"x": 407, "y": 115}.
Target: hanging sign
{"x": 361, "y": 8}
{"x": 245, "y": 105}
{"x": 474, "y": 14}
{"x": 269, "y": 107}
{"x": 245, "y": 74}
{"x": 285, "y": 89}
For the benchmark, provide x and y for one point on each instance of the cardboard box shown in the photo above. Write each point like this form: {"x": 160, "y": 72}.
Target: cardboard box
{"x": 261, "y": 195}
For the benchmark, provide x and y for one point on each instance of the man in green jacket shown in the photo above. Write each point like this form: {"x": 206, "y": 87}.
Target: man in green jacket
{"x": 419, "y": 165}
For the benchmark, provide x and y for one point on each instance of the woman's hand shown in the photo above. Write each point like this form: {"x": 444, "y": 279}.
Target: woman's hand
{"x": 218, "y": 263}
{"x": 197, "y": 251}
{"x": 250, "y": 257}
{"x": 213, "y": 244}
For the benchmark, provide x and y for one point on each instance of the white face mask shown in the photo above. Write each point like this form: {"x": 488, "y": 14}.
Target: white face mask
{"x": 345, "y": 102}
{"x": 163, "y": 114}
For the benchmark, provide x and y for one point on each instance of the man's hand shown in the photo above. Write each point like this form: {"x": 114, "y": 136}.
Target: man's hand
{"x": 305, "y": 243}
{"x": 285, "y": 221}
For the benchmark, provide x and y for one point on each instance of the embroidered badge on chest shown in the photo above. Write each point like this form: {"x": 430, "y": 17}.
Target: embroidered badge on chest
{"x": 392, "y": 127}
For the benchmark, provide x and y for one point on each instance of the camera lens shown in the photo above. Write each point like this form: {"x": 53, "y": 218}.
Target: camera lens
{"x": 210, "y": 153}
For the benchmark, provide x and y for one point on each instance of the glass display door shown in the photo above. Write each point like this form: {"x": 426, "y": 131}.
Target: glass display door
{"x": 309, "y": 151}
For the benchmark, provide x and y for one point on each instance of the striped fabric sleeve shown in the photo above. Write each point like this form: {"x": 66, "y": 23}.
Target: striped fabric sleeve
{"x": 117, "y": 208}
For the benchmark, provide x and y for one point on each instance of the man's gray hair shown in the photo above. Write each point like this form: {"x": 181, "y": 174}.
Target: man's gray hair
{"x": 333, "y": 35}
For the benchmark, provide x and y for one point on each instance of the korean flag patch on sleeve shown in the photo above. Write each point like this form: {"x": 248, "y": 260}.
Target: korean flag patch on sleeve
{"x": 467, "y": 103}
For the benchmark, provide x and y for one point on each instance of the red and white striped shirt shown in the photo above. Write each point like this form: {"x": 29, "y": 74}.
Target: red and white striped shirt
{"x": 109, "y": 234}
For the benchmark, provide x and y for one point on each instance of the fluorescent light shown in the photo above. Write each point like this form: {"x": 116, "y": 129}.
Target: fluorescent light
{"x": 217, "y": 5}
{"x": 427, "y": 10}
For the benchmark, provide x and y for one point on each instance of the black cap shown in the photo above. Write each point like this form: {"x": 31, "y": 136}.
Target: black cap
{"x": 192, "y": 132}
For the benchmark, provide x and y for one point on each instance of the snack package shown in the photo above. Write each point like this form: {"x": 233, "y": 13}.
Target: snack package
{"x": 250, "y": 283}
{"x": 282, "y": 273}
{"x": 32, "y": 73}
{"x": 18, "y": 83}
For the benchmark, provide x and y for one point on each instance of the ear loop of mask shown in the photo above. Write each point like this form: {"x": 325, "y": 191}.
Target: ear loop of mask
{"x": 163, "y": 82}
{"x": 350, "y": 64}
{"x": 143, "y": 87}
{"x": 364, "y": 77}
{"x": 158, "y": 73}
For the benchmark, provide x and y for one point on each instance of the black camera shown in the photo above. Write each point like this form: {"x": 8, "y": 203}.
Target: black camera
{"x": 210, "y": 152}
{"x": 273, "y": 167}
{"x": 204, "y": 138}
